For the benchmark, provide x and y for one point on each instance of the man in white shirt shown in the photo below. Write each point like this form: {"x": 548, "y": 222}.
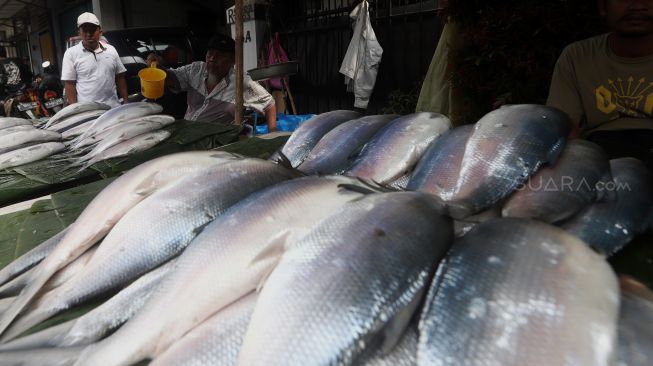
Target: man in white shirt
{"x": 91, "y": 71}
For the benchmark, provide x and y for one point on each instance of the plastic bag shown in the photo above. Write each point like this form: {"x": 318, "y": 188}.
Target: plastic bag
{"x": 276, "y": 54}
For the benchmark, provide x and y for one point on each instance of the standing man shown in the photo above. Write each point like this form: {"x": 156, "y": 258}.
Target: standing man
{"x": 605, "y": 83}
{"x": 91, "y": 71}
{"x": 211, "y": 86}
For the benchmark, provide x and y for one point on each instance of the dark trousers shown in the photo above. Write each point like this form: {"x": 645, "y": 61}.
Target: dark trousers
{"x": 635, "y": 143}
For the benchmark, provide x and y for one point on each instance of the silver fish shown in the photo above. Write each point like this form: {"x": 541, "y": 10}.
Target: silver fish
{"x": 403, "y": 354}
{"x": 136, "y": 144}
{"x": 610, "y": 224}
{"x": 31, "y": 258}
{"x": 224, "y": 263}
{"x": 95, "y": 324}
{"x": 41, "y": 357}
{"x": 76, "y": 131}
{"x": 216, "y": 341}
{"x": 74, "y": 109}
{"x": 358, "y": 275}
{"x": 307, "y": 135}
{"x": 438, "y": 170}
{"x": 8, "y": 130}
{"x": 507, "y": 146}
{"x": 106, "y": 209}
{"x": 76, "y": 120}
{"x": 173, "y": 216}
{"x": 120, "y": 114}
{"x": 23, "y": 137}
{"x": 520, "y": 292}
{"x": 557, "y": 192}
{"x": 29, "y": 154}
{"x": 7, "y": 122}
{"x": 335, "y": 151}
{"x": 394, "y": 150}
{"x": 635, "y": 324}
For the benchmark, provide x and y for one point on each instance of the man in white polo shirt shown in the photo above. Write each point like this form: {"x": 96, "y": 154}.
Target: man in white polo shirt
{"x": 91, "y": 71}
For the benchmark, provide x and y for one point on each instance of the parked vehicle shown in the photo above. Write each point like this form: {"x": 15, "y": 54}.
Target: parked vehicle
{"x": 50, "y": 90}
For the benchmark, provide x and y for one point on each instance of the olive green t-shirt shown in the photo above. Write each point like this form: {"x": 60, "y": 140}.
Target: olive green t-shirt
{"x": 600, "y": 90}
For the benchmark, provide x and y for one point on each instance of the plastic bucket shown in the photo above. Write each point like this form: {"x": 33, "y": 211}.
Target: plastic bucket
{"x": 152, "y": 82}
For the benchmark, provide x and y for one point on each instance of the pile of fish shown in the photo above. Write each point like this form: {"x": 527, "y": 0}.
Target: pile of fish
{"x": 210, "y": 258}
{"x": 86, "y": 132}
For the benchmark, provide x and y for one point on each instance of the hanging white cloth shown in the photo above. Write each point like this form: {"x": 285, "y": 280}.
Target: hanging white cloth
{"x": 361, "y": 62}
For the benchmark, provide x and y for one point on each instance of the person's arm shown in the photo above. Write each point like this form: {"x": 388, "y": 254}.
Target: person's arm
{"x": 121, "y": 84}
{"x": 564, "y": 93}
{"x": 271, "y": 117}
{"x": 171, "y": 82}
{"x": 71, "y": 91}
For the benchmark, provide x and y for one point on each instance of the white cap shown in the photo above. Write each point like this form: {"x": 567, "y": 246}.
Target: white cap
{"x": 87, "y": 18}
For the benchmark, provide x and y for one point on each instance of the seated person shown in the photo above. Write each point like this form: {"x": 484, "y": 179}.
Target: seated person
{"x": 211, "y": 85}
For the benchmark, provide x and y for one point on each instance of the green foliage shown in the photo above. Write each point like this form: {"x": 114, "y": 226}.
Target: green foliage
{"x": 509, "y": 48}
{"x": 400, "y": 101}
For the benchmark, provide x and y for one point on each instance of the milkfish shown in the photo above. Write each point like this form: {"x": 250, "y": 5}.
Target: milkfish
{"x": 216, "y": 341}
{"x": 29, "y": 154}
{"x": 635, "y": 324}
{"x": 8, "y": 130}
{"x": 76, "y": 131}
{"x": 31, "y": 258}
{"x": 226, "y": 261}
{"x": 156, "y": 230}
{"x": 394, "y": 150}
{"x": 8, "y": 122}
{"x": 609, "y": 225}
{"x": 506, "y": 147}
{"x": 307, "y": 135}
{"x": 120, "y": 114}
{"x": 136, "y": 144}
{"x": 95, "y": 324}
{"x": 335, "y": 151}
{"x": 557, "y": 192}
{"x": 75, "y": 120}
{"x": 353, "y": 282}
{"x": 520, "y": 292}
{"x": 438, "y": 170}
{"x": 403, "y": 354}
{"x": 23, "y": 137}
{"x": 73, "y": 109}
{"x": 106, "y": 209}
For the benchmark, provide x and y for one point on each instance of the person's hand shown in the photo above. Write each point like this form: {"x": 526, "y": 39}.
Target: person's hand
{"x": 153, "y": 57}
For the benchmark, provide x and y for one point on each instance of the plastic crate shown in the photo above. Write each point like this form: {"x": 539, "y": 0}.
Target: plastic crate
{"x": 290, "y": 122}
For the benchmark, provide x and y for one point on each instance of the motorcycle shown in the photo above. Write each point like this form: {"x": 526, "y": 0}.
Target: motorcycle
{"x": 20, "y": 98}
{"x": 50, "y": 90}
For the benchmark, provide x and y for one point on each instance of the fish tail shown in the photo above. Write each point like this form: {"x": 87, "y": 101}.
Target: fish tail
{"x": 49, "y": 337}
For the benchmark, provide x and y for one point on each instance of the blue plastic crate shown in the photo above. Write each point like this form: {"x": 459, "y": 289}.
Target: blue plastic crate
{"x": 291, "y": 122}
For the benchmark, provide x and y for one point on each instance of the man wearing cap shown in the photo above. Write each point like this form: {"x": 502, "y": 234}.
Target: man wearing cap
{"x": 211, "y": 86}
{"x": 91, "y": 71}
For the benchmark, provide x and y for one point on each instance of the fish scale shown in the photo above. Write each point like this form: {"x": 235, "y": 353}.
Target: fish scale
{"x": 172, "y": 218}
{"x": 226, "y": 261}
{"x": 519, "y": 292}
{"x": 356, "y": 276}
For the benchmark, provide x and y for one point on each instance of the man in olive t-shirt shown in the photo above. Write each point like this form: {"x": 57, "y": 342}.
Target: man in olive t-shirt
{"x": 605, "y": 83}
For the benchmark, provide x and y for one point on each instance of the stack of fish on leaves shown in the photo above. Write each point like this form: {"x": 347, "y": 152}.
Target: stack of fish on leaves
{"x": 21, "y": 142}
{"x": 343, "y": 250}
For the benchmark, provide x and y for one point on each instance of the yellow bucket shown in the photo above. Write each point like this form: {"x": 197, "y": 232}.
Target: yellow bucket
{"x": 152, "y": 81}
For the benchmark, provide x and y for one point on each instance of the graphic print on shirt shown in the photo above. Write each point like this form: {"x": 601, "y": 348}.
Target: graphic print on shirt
{"x": 631, "y": 97}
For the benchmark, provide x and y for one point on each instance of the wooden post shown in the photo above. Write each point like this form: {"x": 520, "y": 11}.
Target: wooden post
{"x": 239, "y": 61}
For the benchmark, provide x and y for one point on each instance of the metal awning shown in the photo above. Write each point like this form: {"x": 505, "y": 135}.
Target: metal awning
{"x": 9, "y": 9}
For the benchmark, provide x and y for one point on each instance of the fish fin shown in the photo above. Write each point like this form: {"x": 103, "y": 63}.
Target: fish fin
{"x": 281, "y": 159}
{"x": 49, "y": 337}
{"x": 556, "y": 151}
{"x": 396, "y": 327}
{"x": 31, "y": 318}
{"x": 37, "y": 280}
{"x": 366, "y": 186}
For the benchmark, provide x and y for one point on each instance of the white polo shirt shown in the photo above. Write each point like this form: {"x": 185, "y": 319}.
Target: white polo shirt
{"x": 94, "y": 72}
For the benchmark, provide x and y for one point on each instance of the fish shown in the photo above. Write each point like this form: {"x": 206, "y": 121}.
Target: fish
{"x": 41, "y": 357}
{"x": 216, "y": 341}
{"x": 29, "y": 154}
{"x": 396, "y": 149}
{"x": 173, "y": 216}
{"x": 506, "y": 147}
{"x": 120, "y": 114}
{"x": 8, "y": 130}
{"x": 557, "y": 192}
{"x": 23, "y": 137}
{"x": 635, "y": 324}
{"x": 517, "y": 291}
{"x": 309, "y": 133}
{"x": 7, "y": 122}
{"x": 438, "y": 170}
{"x": 224, "y": 263}
{"x": 403, "y": 354}
{"x": 334, "y": 152}
{"x": 608, "y": 225}
{"x": 76, "y": 120}
{"x": 73, "y": 109}
{"x": 106, "y": 209}
{"x": 136, "y": 144}
{"x": 353, "y": 282}
{"x": 76, "y": 131}
{"x": 30, "y": 258}
{"x": 463, "y": 226}
{"x": 161, "y": 119}
{"x": 95, "y": 324}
